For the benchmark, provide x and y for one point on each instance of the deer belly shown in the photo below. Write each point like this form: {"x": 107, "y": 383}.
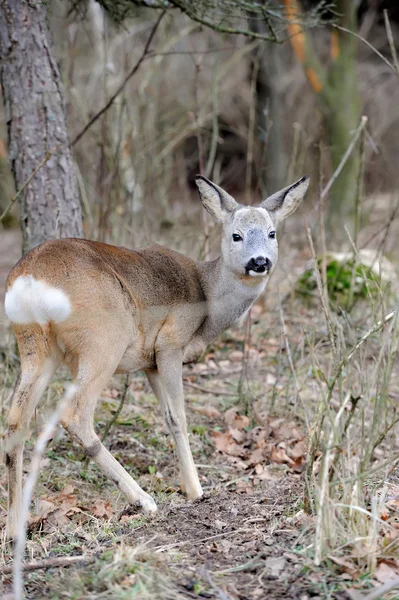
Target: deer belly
{"x": 136, "y": 358}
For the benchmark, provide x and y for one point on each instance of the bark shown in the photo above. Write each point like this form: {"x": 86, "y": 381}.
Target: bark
{"x": 337, "y": 89}
{"x": 269, "y": 120}
{"x": 342, "y": 116}
{"x": 36, "y": 123}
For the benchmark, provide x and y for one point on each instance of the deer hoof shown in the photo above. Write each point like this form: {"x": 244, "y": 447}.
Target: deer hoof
{"x": 147, "y": 503}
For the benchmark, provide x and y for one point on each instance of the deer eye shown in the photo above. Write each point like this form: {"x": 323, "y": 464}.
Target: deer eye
{"x": 272, "y": 234}
{"x": 237, "y": 237}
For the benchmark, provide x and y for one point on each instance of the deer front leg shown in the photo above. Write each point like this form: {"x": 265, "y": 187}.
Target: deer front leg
{"x": 167, "y": 384}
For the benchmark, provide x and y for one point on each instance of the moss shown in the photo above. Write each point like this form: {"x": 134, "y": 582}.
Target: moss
{"x": 346, "y": 282}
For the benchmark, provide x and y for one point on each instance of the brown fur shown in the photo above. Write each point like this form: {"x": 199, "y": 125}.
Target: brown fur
{"x": 149, "y": 309}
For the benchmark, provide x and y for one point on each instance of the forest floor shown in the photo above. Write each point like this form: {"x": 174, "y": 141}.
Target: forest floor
{"x": 249, "y": 537}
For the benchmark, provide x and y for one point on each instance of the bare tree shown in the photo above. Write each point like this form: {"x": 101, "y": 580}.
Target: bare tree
{"x": 36, "y": 123}
{"x": 336, "y": 87}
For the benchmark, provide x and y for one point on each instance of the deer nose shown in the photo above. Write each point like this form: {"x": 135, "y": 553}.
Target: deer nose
{"x": 260, "y": 264}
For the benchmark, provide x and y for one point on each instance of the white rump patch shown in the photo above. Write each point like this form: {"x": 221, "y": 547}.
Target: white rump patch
{"x": 31, "y": 301}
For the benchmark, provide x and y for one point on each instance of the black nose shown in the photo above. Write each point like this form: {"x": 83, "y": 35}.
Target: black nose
{"x": 260, "y": 264}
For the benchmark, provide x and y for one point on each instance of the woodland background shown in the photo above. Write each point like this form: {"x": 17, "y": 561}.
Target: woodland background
{"x": 293, "y": 416}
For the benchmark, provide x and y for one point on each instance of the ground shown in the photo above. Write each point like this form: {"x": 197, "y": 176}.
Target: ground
{"x": 250, "y": 405}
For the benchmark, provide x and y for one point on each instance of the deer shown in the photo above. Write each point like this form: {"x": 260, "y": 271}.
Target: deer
{"x": 101, "y": 309}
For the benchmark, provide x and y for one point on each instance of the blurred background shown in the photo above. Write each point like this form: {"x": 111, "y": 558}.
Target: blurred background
{"x": 250, "y": 114}
{"x": 102, "y": 131}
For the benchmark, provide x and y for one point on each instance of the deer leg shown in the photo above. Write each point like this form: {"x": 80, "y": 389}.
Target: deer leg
{"x": 78, "y": 421}
{"x": 167, "y": 384}
{"x": 38, "y": 364}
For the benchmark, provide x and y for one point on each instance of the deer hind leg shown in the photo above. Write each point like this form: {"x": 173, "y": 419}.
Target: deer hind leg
{"x": 167, "y": 384}
{"x": 39, "y": 359}
{"x": 78, "y": 421}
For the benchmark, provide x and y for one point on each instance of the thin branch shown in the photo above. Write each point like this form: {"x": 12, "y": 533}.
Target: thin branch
{"x": 356, "y": 135}
{"x": 219, "y": 27}
{"x": 118, "y": 410}
{"x": 124, "y": 82}
{"x": 30, "y": 486}
{"x": 362, "y": 39}
{"x": 27, "y": 182}
{"x": 391, "y": 42}
{"x": 194, "y": 386}
{"x": 377, "y": 593}
{"x": 60, "y": 561}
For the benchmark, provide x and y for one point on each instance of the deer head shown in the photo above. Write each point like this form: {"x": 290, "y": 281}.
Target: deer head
{"x": 249, "y": 239}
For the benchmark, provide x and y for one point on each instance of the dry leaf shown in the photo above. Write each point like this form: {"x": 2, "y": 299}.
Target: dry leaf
{"x": 103, "y": 510}
{"x": 280, "y": 456}
{"x": 347, "y": 566}
{"x": 237, "y": 435}
{"x": 299, "y": 450}
{"x": 208, "y": 411}
{"x": 256, "y": 457}
{"x": 275, "y": 565}
{"x": 235, "y": 420}
{"x": 225, "y": 443}
{"x": 236, "y": 356}
{"x": 244, "y": 487}
{"x": 384, "y": 572}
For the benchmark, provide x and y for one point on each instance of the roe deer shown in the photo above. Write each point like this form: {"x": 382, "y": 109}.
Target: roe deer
{"x": 101, "y": 309}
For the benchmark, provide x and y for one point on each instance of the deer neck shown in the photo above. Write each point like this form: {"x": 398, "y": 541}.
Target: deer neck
{"x": 228, "y": 296}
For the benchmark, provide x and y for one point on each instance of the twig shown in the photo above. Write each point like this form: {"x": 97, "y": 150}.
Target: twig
{"x": 219, "y": 593}
{"x": 206, "y": 391}
{"x": 358, "y": 213}
{"x": 60, "y": 561}
{"x": 324, "y": 302}
{"x": 377, "y": 593}
{"x": 30, "y": 486}
{"x": 288, "y": 351}
{"x": 320, "y": 533}
{"x": 27, "y": 182}
{"x": 391, "y": 42}
{"x": 313, "y": 437}
{"x": 118, "y": 410}
{"x": 201, "y": 541}
{"x": 362, "y": 39}
{"x": 124, "y": 82}
{"x": 361, "y": 126}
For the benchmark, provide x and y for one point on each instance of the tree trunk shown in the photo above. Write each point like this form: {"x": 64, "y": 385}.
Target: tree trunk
{"x": 273, "y": 172}
{"x": 36, "y": 123}
{"x": 342, "y": 117}
{"x": 269, "y": 122}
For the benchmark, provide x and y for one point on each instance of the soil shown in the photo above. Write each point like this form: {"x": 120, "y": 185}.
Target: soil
{"x": 248, "y": 538}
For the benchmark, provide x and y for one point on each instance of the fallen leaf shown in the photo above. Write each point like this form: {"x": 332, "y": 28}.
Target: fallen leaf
{"x": 208, "y": 411}
{"x": 238, "y": 435}
{"x": 347, "y": 566}
{"x": 236, "y": 356}
{"x": 225, "y": 443}
{"x": 236, "y": 420}
{"x": 244, "y": 487}
{"x": 275, "y": 565}
{"x": 280, "y": 456}
{"x": 103, "y": 510}
{"x": 299, "y": 450}
{"x": 256, "y": 457}
{"x": 385, "y": 572}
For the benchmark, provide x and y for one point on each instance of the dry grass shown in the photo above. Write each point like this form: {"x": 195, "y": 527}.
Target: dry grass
{"x": 264, "y": 529}
{"x": 252, "y": 518}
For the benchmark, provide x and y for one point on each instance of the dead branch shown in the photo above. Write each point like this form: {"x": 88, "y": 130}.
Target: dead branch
{"x": 206, "y": 391}
{"x": 124, "y": 82}
{"x": 51, "y": 563}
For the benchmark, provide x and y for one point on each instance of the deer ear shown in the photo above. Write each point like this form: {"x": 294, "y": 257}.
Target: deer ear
{"x": 216, "y": 201}
{"x": 283, "y": 203}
